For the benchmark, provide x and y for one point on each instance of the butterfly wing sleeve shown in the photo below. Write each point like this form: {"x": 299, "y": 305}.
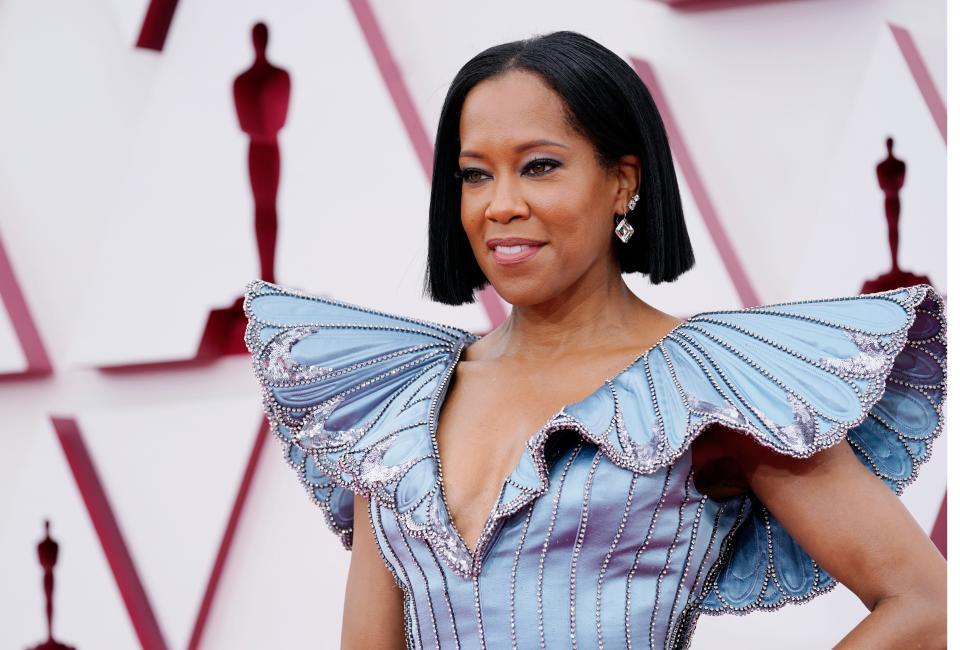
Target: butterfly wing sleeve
{"x": 335, "y": 379}
{"x": 800, "y": 377}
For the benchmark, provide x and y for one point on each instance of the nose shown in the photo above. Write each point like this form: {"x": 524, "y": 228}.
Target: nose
{"x": 507, "y": 204}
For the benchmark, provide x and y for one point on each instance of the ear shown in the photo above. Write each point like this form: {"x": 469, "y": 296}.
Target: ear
{"x": 628, "y": 181}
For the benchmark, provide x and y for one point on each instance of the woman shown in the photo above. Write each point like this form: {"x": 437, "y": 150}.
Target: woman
{"x": 595, "y": 472}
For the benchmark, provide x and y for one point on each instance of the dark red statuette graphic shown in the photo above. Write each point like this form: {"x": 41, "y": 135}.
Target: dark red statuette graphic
{"x": 47, "y": 551}
{"x": 891, "y": 174}
{"x": 261, "y": 96}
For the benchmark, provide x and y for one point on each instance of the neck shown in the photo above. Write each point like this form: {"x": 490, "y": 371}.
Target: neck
{"x": 597, "y": 310}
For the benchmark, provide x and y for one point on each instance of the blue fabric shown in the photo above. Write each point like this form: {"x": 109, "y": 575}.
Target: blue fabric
{"x": 599, "y": 536}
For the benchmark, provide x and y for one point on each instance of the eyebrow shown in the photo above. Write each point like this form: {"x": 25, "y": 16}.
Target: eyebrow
{"x": 520, "y": 147}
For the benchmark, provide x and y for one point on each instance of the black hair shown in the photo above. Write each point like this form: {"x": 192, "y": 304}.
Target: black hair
{"x": 607, "y": 103}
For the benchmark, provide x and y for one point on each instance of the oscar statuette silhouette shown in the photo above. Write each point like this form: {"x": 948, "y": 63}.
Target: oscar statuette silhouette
{"x": 891, "y": 175}
{"x": 47, "y": 551}
{"x": 261, "y": 97}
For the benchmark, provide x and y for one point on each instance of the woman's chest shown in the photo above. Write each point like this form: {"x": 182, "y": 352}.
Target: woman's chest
{"x": 590, "y": 513}
{"x": 489, "y": 420}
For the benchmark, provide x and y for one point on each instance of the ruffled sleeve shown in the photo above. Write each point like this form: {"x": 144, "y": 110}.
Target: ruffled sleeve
{"x": 346, "y": 392}
{"x": 797, "y": 377}
{"x": 800, "y": 377}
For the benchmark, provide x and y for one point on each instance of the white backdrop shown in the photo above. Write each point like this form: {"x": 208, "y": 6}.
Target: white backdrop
{"x": 126, "y": 215}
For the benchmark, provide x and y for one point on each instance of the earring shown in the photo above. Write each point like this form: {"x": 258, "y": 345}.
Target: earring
{"x": 623, "y": 229}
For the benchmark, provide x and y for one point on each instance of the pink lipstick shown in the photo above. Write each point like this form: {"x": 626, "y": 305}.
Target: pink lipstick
{"x": 511, "y": 250}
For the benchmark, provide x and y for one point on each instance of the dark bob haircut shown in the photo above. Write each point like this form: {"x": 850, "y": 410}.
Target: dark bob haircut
{"x": 608, "y": 104}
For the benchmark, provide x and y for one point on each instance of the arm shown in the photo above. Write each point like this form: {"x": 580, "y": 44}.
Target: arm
{"x": 373, "y": 604}
{"x": 857, "y": 529}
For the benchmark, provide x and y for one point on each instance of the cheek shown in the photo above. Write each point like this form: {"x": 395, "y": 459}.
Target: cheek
{"x": 577, "y": 216}
{"x": 471, "y": 210}
{"x": 583, "y": 236}
{"x": 470, "y": 222}
{"x": 473, "y": 227}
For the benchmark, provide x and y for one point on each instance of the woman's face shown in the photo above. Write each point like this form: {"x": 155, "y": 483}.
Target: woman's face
{"x": 526, "y": 175}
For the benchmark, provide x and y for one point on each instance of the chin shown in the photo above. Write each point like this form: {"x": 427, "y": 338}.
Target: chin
{"x": 522, "y": 293}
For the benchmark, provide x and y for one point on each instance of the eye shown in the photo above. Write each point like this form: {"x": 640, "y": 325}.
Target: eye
{"x": 468, "y": 175}
{"x": 542, "y": 162}
{"x": 473, "y": 176}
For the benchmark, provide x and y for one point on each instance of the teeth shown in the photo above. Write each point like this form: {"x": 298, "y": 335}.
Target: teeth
{"x": 512, "y": 249}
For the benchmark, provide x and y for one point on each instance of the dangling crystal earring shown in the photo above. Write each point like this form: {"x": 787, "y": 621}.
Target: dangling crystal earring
{"x": 624, "y": 230}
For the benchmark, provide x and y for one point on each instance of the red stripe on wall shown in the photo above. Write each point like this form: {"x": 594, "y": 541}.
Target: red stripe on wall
{"x": 402, "y": 100}
{"x": 108, "y": 531}
{"x": 156, "y": 24}
{"x": 922, "y": 77}
{"x": 38, "y": 363}
{"x": 393, "y": 78}
{"x": 228, "y": 534}
{"x": 735, "y": 269}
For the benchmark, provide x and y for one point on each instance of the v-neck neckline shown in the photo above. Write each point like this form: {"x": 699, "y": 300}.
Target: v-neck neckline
{"x": 439, "y": 399}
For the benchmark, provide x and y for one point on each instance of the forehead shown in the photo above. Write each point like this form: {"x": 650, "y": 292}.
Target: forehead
{"x": 511, "y": 107}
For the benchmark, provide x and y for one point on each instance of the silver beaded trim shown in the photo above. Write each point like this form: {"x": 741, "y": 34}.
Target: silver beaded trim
{"x": 627, "y": 609}
{"x": 686, "y": 621}
{"x": 546, "y": 542}
{"x": 411, "y": 624}
{"x": 673, "y": 623}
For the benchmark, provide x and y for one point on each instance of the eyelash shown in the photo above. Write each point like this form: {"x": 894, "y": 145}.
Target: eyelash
{"x": 463, "y": 173}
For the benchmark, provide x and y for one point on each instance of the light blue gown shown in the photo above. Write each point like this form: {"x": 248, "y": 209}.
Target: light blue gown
{"x": 599, "y": 537}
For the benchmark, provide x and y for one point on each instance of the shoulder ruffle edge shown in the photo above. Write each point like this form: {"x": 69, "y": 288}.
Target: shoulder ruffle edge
{"x": 339, "y": 382}
{"x": 797, "y": 377}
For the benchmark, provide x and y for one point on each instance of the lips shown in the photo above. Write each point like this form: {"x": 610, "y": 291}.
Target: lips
{"x": 513, "y": 241}
{"x": 511, "y": 250}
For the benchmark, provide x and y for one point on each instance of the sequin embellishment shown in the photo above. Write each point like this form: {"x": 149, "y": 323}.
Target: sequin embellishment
{"x": 441, "y": 537}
